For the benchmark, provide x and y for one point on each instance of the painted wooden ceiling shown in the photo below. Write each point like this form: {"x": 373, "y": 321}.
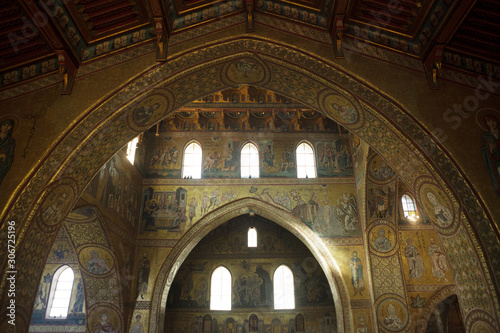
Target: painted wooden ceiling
{"x": 34, "y": 35}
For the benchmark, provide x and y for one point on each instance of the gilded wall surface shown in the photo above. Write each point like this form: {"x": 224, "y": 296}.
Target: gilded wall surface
{"x": 252, "y": 271}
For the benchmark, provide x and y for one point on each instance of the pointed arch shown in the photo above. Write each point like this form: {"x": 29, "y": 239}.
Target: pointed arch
{"x": 284, "y": 294}
{"x": 409, "y": 204}
{"x": 252, "y": 237}
{"x": 284, "y": 219}
{"x": 220, "y": 289}
{"x": 305, "y": 158}
{"x": 249, "y": 160}
{"x": 60, "y": 293}
{"x": 192, "y": 160}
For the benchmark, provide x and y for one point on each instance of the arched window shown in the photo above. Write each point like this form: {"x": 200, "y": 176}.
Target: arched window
{"x": 220, "y": 290}
{"x": 409, "y": 207}
{"x": 252, "y": 237}
{"x": 131, "y": 147}
{"x": 299, "y": 323}
{"x": 306, "y": 166}
{"x": 253, "y": 323}
{"x": 192, "y": 161}
{"x": 60, "y": 293}
{"x": 207, "y": 324}
{"x": 249, "y": 161}
{"x": 284, "y": 297}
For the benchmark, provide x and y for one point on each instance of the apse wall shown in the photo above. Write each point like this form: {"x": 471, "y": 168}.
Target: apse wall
{"x": 252, "y": 272}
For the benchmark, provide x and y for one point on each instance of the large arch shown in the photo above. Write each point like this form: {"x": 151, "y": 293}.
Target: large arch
{"x": 231, "y": 210}
{"x": 317, "y": 83}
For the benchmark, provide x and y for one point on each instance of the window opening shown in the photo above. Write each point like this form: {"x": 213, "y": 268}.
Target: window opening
{"x": 306, "y": 166}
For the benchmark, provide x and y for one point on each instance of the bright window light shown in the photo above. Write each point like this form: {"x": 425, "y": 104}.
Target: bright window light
{"x": 306, "y": 166}
{"x": 192, "y": 161}
{"x": 249, "y": 161}
{"x": 284, "y": 298}
{"x": 252, "y": 237}
{"x": 131, "y": 148}
{"x": 409, "y": 207}
{"x": 62, "y": 285}
{"x": 220, "y": 290}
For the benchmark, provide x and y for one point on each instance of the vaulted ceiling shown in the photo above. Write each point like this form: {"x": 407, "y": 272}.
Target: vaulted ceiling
{"x": 36, "y": 38}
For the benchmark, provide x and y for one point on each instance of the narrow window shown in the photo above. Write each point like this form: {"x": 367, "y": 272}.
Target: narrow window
{"x": 220, "y": 291}
{"x": 284, "y": 298}
{"x": 60, "y": 293}
{"x": 409, "y": 207}
{"x": 299, "y": 323}
{"x": 249, "y": 161}
{"x": 131, "y": 147}
{"x": 253, "y": 323}
{"x": 207, "y": 324}
{"x": 252, "y": 237}
{"x": 192, "y": 161}
{"x": 306, "y": 167}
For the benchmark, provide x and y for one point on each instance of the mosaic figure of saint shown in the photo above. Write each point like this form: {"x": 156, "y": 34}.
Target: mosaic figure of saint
{"x": 144, "y": 113}
{"x": 97, "y": 265}
{"x": 441, "y": 213}
{"x": 137, "y": 327}
{"x": 382, "y": 243}
{"x": 54, "y": 213}
{"x": 490, "y": 149}
{"x": 415, "y": 261}
{"x": 104, "y": 326}
{"x": 438, "y": 261}
{"x": 78, "y": 305}
{"x": 143, "y": 276}
{"x": 392, "y": 320}
{"x": 357, "y": 274}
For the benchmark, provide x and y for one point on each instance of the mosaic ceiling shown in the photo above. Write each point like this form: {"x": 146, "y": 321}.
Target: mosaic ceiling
{"x": 36, "y": 38}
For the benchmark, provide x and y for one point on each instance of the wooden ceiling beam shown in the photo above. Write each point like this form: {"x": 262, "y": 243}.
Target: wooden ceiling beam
{"x": 42, "y": 20}
{"x": 67, "y": 58}
{"x": 157, "y": 10}
{"x": 432, "y": 55}
{"x": 336, "y": 24}
{"x": 453, "y": 22}
{"x": 162, "y": 28}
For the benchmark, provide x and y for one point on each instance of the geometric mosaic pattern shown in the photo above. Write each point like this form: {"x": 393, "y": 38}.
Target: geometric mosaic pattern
{"x": 88, "y": 233}
{"x": 467, "y": 272}
{"x": 387, "y": 278}
{"x": 102, "y": 290}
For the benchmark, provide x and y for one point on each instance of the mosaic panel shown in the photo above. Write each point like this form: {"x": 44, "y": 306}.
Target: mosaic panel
{"x": 101, "y": 290}
{"x": 88, "y": 233}
{"x": 386, "y": 274}
{"x": 471, "y": 288}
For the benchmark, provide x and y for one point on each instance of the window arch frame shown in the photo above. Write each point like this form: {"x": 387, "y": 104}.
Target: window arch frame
{"x": 207, "y": 319}
{"x": 184, "y": 155}
{"x": 132, "y": 149}
{"x": 415, "y": 206}
{"x": 251, "y": 240}
{"x": 250, "y": 166}
{"x": 253, "y": 323}
{"x": 53, "y": 289}
{"x": 299, "y": 323}
{"x": 223, "y": 283}
{"x": 297, "y": 160}
{"x": 286, "y": 292}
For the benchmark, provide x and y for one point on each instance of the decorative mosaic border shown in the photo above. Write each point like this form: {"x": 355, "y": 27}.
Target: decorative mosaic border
{"x": 249, "y": 182}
